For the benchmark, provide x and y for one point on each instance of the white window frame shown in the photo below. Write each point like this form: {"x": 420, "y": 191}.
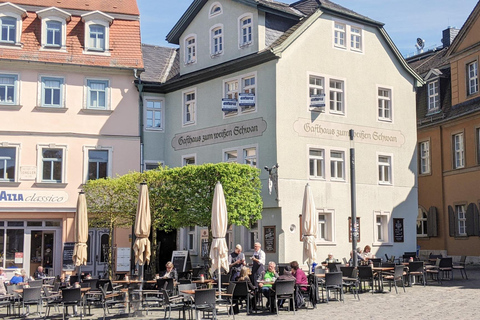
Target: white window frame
{"x": 385, "y": 104}
{"x": 230, "y": 155}
{"x": 186, "y": 232}
{"x": 385, "y": 169}
{"x": 242, "y": 43}
{"x": 42, "y": 87}
{"x": 16, "y": 87}
{"x": 433, "y": 88}
{"x": 217, "y": 40}
{"x": 422, "y": 222}
{"x": 316, "y": 160}
{"x": 461, "y": 212}
{"x": 336, "y": 161}
{"x": 57, "y": 15}
{"x": 424, "y": 155}
{"x": 86, "y": 159}
{"x": 325, "y": 89}
{"x": 472, "y": 78}
{"x": 384, "y": 226}
{"x": 97, "y": 18}
{"x": 193, "y": 112}
{"x": 190, "y": 49}
{"x": 156, "y": 163}
{"x": 458, "y": 150}
{"x": 216, "y": 9}
{"x": 15, "y": 146}
{"x": 15, "y": 12}
{"x": 246, "y": 237}
{"x": 337, "y": 92}
{"x": 239, "y": 81}
{"x": 154, "y": 111}
{"x": 40, "y": 148}
{"x": 186, "y": 157}
{"x": 241, "y": 154}
{"x": 353, "y": 36}
{"x": 88, "y": 91}
{"x": 329, "y": 227}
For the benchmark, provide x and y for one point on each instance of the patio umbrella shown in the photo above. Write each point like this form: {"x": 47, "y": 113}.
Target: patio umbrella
{"x": 81, "y": 233}
{"x": 219, "y": 249}
{"x": 309, "y": 226}
{"x": 143, "y": 222}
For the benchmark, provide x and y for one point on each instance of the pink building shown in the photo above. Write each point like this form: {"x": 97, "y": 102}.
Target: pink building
{"x": 68, "y": 113}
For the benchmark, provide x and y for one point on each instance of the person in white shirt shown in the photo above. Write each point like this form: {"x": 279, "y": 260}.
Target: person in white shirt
{"x": 258, "y": 259}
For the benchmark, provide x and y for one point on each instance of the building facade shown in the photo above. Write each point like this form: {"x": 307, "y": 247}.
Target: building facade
{"x": 266, "y": 83}
{"x": 449, "y": 144}
{"x": 69, "y": 113}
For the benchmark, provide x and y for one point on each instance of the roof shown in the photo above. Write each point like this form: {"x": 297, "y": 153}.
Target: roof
{"x": 113, "y": 6}
{"x": 160, "y": 63}
{"x": 465, "y": 29}
{"x": 423, "y": 63}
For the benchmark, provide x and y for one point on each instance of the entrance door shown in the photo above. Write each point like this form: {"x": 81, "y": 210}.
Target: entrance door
{"x": 42, "y": 249}
{"x": 167, "y": 243}
{"x": 97, "y": 252}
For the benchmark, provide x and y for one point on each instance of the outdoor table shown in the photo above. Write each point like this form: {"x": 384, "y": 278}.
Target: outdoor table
{"x": 379, "y": 271}
{"x": 203, "y": 283}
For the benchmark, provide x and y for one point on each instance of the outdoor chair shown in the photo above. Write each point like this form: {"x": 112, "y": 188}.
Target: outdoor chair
{"x": 416, "y": 269}
{"x": 377, "y": 262}
{"x": 172, "y": 303}
{"x": 351, "y": 280}
{"x": 313, "y": 288}
{"x": 365, "y": 275}
{"x": 446, "y": 268}
{"x": 6, "y": 302}
{"x": 334, "y": 281}
{"x": 109, "y": 299}
{"x": 397, "y": 276}
{"x": 285, "y": 290}
{"x": 35, "y": 283}
{"x": 31, "y": 297}
{"x": 461, "y": 266}
{"x": 187, "y": 298}
{"x": 205, "y": 302}
{"x": 241, "y": 293}
{"x": 15, "y": 296}
{"x": 165, "y": 284}
{"x": 71, "y": 297}
{"x": 333, "y": 266}
{"x": 227, "y": 299}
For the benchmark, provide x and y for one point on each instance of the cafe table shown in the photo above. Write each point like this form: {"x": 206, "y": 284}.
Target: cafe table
{"x": 379, "y": 271}
{"x": 204, "y": 283}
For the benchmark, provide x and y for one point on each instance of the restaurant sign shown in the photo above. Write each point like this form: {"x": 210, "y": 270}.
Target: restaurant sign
{"x": 340, "y": 131}
{"x": 218, "y": 134}
{"x": 22, "y": 196}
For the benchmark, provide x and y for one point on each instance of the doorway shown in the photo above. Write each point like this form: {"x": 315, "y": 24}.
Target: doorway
{"x": 167, "y": 243}
{"x": 42, "y": 249}
{"x": 97, "y": 252}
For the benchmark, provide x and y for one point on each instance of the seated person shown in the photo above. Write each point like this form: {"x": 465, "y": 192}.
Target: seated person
{"x": 359, "y": 258}
{"x": 39, "y": 274}
{"x": 269, "y": 276}
{"x": 300, "y": 276}
{"x": 330, "y": 259}
{"x": 170, "y": 272}
{"x": 245, "y": 273}
{"x": 17, "y": 278}
{"x": 367, "y": 254}
{"x": 286, "y": 276}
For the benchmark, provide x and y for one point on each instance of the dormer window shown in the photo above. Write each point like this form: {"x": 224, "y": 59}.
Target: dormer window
{"x": 433, "y": 96}
{"x": 215, "y": 10}
{"x": 54, "y": 28}
{"x": 97, "y": 30}
{"x": 11, "y": 24}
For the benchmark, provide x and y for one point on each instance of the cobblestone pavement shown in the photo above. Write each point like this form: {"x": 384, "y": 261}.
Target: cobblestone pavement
{"x": 457, "y": 299}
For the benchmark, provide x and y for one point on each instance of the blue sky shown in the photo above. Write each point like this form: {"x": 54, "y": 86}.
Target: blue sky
{"x": 405, "y": 20}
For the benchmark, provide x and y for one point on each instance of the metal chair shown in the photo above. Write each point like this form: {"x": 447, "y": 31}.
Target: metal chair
{"x": 461, "y": 266}
{"x": 205, "y": 302}
{"x": 241, "y": 293}
{"x": 365, "y": 274}
{"x": 227, "y": 299}
{"x": 351, "y": 282}
{"x": 165, "y": 284}
{"x": 71, "y": 297}
{"x": 173, "y": 303}
{"x": 35, "y": 283}
{"x": 446, "y": 267}
{"x": 32, "y": 296}
{"x": 334, "y": 281}
{"x": 285, "y": 290}
{"x": 416, "y": 269}
{"x": 397, "y": 276}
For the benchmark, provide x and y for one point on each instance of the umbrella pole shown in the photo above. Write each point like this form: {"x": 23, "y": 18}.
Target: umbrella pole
{"x": 219, "y": 276}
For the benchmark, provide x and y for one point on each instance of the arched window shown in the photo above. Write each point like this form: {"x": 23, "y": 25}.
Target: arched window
{"x": 215, "y": 9}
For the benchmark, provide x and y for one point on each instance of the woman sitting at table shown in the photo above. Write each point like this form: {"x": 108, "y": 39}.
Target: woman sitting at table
{"x": 245, "y": 276}
{"x": 171, "y": 272}
{"x": 300, "y": 276}
{"x": 367, "y": 254}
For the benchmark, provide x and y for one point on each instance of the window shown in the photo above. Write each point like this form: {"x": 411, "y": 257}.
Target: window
{"x": 384, "y": 104}
{"x": 248, "y": 87}
{"x": 231, "y": 89}
{"x": 250, "y": 156}
{"x": 347, "y": 36}
{"x": 191, "y": 239}
{"x": 52, "y": 92}
{"x": 478, "y": 144}
{"x": 152, "y": 165}
{"x": 424, "y": 154}
{"x": 337, "y": 165}
{"x": 11, "y": 17}
{"x": 245, "y": 155}
{"x": 96, "y": 39}
{"x": 154, "y": 114}
{"x": 97, "y": 164}
{"x": 458, "y": 153}
{"x": 422, "y": 227}
{"x": 231, "y": 156}
{"x": 215, "y": 10}
{"x": 217, "y": 41}
{"x": 381, "y": 227}
{"x": 189, "y": 105}
{"x": 384, "y": 169}
{"x": 188, "y": 160}
{"x": 246, "y": 31}
{"x": 52, "y": 165}
{"x": 54, "y": 28}
{"x": 97, "y": 94}
{"x": 336, "y": 96}
{"x": 472, "y": 77}
{"x": 190, "y": 50}
{"x": 97, "y": 32}
{"x": 462, "y": 220}
{"x": 9, "y": 32}
{"x": 251, "y": 236}
{"x": 317, "y": 163}
{"x": 316, "y": 85}
{"x": 339, "y": 35}
{"x": 8, "y": 164}
{"x": 325, "y": 226}
{"x": 54, "y": 33}
{"x": 433, "y": 96}
{"x": 8, "y": 89}
{"x": 356, "y": 38}
{"x": 243, "y": 90}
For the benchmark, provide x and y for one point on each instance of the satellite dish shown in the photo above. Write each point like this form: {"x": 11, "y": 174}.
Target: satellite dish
{"x": 420, "y": 43}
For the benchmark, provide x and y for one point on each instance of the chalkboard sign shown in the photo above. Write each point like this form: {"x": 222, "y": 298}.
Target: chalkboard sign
{"x": 68, "y": 256}
{"x": 181, "y": 261}
{"x": 398, "y": 234}
{"x": 269, "y": 237}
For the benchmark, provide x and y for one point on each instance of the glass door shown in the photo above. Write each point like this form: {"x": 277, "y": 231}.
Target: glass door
{"x": 42, "y": 249}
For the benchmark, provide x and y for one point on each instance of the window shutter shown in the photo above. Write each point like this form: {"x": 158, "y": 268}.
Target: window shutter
{"x": 432, "y": 227}
{"x": 476, "y": 225}
{"x": 469, "y": 215}
{"x": 452, "y": 222}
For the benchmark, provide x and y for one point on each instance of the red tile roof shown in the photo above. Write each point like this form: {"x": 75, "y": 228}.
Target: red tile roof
{"x": 114, "y": 6}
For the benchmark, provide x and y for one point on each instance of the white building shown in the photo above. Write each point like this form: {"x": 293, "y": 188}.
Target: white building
{"x": 282, "y": 55}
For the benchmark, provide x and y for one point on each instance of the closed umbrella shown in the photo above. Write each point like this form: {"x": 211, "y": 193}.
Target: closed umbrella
{"x": 143, "y": 222}
{"x": 219, "y": 249}
{"x": 81, "y": 233}
{"x": 309, "y": 227}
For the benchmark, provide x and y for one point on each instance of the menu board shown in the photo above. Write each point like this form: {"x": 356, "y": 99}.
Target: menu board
{"x": 269, "y": 237}
{"x": 398, "y": 233}
{"x": 181, "y": 261}
{"x": 68, "y": 256}
{"x": 123, "y": 259}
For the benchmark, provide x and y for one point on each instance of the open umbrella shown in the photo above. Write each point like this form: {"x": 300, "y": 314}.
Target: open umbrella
{"x": 219, "y": 249}
{"x": 143, "y": 222}
{"x": 309, "y": 226}
{"x": 81, "y": 233}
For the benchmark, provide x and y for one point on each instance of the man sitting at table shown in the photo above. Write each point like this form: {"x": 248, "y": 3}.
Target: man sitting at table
{"x": 39, "y": 274}
{"x": 171, "y": 272}
{"x": 269, "y": 276}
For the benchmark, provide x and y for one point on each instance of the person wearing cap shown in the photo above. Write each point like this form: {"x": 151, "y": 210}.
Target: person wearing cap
{"x": 236, "y": 261}
{"x": 17, "y": 278}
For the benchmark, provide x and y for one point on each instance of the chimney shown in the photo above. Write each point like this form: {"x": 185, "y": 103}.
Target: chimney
{"x": 448, "y": 35}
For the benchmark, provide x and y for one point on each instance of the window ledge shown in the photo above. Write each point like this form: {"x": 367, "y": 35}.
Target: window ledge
{"x": 13, "y": 107}
{"x": 215, "y": 55}
{"x": 325, "y": 244}
{"x": 386, "y": 184}
{"x": 7, "y": 45}
{"x": 153, "y": 129}
{"x": 245, "y": 45}
{"x": 432, "y": 112}
{"x": 50, "y": 109}
{"x": 50, "y": 185}
{"x": 97, "y": 52}
{"x": 95, "y": 111}
{"x": 380, "y": 244}
{"x": 187, "y": 63}
{"x": 461, "y": 237}
{"x": 9, "y": 184}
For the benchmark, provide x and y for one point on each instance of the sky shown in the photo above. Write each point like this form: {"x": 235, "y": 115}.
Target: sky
{"x": 405, "y": 20}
